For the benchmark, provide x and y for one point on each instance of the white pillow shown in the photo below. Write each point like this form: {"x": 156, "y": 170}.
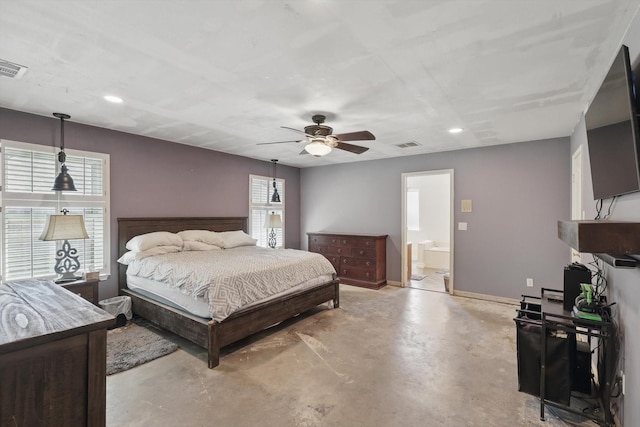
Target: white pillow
{"x": 192, "y": 245}
{"x": 233, "y": 239}
{"x": 147, "y": 241}
{"x": 130, "y": 256}
{"x": 204, "y": 236}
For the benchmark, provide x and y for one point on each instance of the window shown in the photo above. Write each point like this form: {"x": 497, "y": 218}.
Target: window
{"x": 413, "y": 209}
{"x": 28, "y": 173}
{"x": 260, "y": 205}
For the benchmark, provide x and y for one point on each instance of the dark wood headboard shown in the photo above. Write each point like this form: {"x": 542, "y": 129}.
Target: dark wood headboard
{"x": 131, "y": 227}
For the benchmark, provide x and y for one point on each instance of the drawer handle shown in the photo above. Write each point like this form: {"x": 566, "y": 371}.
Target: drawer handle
{"x": 339, "y": 251}
{"x": 361, "y": 252}
{"x": 344, "y": 242}
{"x": 368, "y": 243}
{"x": 368, "y": 263}
{"x": 333, "y": 240}
{"x": 367, "y": 274}
{"x": 345, "y": 272}
{"x": 344, "y": 260}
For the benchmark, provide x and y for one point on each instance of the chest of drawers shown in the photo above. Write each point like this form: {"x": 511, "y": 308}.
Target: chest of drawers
{"x": 359, "y": 259}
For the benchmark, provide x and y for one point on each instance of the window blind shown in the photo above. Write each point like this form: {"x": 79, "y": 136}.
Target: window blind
{"x": 261, "y": 190}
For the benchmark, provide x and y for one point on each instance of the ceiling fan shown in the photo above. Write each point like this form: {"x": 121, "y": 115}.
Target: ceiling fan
{"x": 320, "y": 138}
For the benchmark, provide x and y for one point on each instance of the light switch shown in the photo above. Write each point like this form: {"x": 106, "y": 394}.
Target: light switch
{"x": 462, "y": 226}
{"x": 466, "y": 205}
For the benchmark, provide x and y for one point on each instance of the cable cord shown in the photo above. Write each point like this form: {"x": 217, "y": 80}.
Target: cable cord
{"x": 599, "y": 206}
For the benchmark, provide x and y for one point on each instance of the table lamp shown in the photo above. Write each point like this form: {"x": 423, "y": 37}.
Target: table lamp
{"x": 65, "y": 227}
{"x": 273, "y": 221}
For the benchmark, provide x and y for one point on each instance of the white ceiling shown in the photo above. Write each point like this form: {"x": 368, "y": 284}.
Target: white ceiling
{"x": 225, "y": 75}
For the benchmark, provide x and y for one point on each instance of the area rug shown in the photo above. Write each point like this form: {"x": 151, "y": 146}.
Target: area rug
{"x": 133, "y": 345}
{"x": 417, "y": 277}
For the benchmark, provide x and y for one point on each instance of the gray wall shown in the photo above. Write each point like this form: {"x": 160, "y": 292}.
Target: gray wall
{"x": 152, "y": 177}
{"x": 519, "y": 191}
{"x": 623, "y": 284}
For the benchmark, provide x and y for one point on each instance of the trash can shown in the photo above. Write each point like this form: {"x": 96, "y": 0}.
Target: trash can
{"x": 120, "y": 307}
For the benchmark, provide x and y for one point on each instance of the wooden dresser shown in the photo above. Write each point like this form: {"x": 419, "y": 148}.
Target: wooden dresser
{"x": 359, "y": 259}
{"x": 53, "y": 351}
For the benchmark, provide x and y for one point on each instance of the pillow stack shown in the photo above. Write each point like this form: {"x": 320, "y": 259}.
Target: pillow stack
{"x": 164, "y": 242}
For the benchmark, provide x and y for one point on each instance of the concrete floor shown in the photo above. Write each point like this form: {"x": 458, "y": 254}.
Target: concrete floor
{"x": 393, "y": 357}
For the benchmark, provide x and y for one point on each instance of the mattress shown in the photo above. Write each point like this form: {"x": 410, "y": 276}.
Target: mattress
{"x": 160, "y": 292}
{"x": 227, "y": 280}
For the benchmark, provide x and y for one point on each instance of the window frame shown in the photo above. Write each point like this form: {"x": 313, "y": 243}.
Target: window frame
{"x": 268, "y": 207}
{"x": 56, "y": 201}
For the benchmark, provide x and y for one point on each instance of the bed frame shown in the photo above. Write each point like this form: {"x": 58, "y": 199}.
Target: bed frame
{"x": 208, "y": 333}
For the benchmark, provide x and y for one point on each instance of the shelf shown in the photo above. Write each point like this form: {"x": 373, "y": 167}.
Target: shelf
{"x": 605, "y": 237}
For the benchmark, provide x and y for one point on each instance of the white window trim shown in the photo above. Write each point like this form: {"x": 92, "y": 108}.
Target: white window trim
{"x": 268, "y": 206}
{"x": 60, "y": 199}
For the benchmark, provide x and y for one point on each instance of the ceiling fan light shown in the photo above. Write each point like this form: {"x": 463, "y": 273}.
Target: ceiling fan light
{"x": 317, "y": 149}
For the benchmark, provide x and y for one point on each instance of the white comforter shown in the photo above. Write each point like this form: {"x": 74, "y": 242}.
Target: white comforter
{"x": 230, "y": 279}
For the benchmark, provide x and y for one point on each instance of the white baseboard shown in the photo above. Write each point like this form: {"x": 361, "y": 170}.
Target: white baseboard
{"x": 485, "y": 297}
{"x": 394, "y": 283}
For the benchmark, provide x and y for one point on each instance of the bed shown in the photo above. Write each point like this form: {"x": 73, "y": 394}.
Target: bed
{"x": 209, "y": 333}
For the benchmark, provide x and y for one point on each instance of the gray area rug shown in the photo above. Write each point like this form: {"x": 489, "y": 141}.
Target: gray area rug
{"x": 133, "y": 345}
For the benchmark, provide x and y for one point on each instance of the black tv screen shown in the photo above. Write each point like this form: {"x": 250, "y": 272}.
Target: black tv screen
{"x": 613, "y": 134}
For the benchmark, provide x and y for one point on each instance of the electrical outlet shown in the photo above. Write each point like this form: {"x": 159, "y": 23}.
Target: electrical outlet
{"x": 529, "y": 282}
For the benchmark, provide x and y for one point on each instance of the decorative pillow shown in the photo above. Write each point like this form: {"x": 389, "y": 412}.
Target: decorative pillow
{"x": 192, "y": 245}
{"x": 204, "y": 236}
{"x": 147, "y": 241}
{"x": 233, "y": 239}
{"x": 128, "y": 257}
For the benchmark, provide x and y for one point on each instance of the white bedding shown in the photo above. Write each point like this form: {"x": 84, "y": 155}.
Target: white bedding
{"x": 231, "y": 279}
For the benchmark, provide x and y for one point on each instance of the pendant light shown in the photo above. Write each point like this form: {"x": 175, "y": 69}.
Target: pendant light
{"x": 275, "y": 198}
{"x": 63, "y": 181}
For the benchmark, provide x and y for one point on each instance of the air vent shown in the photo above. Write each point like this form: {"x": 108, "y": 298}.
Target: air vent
{"x": 11, "y": 70}
{"x": 408, "y": 144}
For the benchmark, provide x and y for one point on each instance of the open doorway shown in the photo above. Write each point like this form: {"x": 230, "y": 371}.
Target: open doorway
{"x": 427, "y": 230}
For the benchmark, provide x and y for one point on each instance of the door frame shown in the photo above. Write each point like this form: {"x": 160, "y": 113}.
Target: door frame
{"x": 404, "y": 261}
{"x": 576, "y": 192}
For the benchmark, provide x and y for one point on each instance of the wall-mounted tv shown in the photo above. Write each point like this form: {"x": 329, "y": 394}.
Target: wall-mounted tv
{"x": 613, "y": 132}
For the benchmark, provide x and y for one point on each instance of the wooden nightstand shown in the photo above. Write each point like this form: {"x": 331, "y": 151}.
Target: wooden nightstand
{"x": 87, "y": 289}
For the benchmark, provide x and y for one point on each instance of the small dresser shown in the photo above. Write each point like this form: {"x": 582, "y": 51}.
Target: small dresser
{"x": 359, "y": 259}
{"x": 53, "y": 350}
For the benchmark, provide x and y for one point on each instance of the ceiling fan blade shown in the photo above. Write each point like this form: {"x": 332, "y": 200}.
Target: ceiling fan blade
{"x": 363, "y": 135}
{"x": 296, "y": 130}
{"x": 352, "y": 148}
{"x": 277, "y": 142}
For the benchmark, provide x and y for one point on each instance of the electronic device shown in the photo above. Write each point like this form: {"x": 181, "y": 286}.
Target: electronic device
{"x": 622, "y": 261}
{"x": 586, "y": 305}
{"x": 574, "y": 275}
{"x": 613, "y": 132}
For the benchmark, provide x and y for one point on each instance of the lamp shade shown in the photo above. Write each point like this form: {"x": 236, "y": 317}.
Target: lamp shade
{"x": 318, "y": 149}
{"x": 64, "y": 227}
{"x": 273, "y": 221}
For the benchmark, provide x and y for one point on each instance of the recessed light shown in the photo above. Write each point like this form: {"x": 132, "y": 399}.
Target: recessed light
{"x": 114, "y": 99}
{"x": 455, "y": 130}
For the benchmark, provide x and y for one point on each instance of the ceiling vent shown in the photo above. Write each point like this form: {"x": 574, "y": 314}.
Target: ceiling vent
{"x": 11, "y": 70}
{"x": 408, "y": 144}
